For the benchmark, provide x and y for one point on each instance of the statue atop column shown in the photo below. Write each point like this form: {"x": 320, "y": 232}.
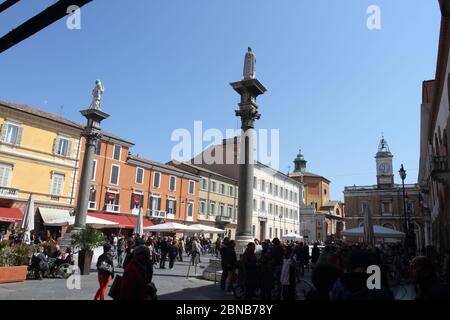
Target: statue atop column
{"x": 249, "y": 64}
{"x": 97, "y": 95}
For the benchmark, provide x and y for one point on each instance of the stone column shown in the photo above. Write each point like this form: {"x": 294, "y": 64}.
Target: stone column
{"x": 248, "y": 89}
{"x": 91, "y": 133}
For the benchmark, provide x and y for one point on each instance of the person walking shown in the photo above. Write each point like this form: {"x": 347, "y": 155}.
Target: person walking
{"x": 180, "y": 247}
{"x": 136, "y": 282}
{"x": 172, "y": 252}
{"x": 277, "y": 263}
{"x": 224, "y": 261}
{"x": 196, "y": 250}
{"x": 164, "y": 247}
{"x": 121, "y": 246}
{"x": 249, "y": 271}
{"x": 105, "y": 268}
{"x": 315, "y": 254}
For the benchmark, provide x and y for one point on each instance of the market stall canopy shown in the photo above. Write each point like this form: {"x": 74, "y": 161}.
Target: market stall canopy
{"x": 50, "y": 214}
{"x": 291, "y": 236}
{"x": 207, "y": 229}
{"x": 11, "y": 215}
{"x": 90, "y": 221}
{"x": 122, "y": 221}
{"x": 379, "y": 232}
{"x": 171, "y": 227}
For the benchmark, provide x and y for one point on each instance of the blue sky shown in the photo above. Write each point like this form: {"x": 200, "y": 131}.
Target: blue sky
{"x": 333, "y": 85}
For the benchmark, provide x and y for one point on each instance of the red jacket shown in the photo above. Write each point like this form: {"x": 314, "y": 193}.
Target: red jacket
{"x": 133, "y": 284}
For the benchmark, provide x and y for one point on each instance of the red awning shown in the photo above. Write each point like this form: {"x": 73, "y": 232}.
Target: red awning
{"x": 11, "y": 215}
{"x": 125, "y": 222}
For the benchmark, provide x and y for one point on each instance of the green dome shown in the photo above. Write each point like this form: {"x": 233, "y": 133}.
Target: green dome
{"x": 299, "y": 156}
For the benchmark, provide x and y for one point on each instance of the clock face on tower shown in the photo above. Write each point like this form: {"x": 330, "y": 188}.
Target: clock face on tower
{"x": 384, "y": 167}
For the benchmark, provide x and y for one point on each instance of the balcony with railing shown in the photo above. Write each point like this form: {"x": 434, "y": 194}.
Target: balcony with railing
{"x": 156, "y": 214}
{"x": 115, "y": 208}
{"x": 8, "y": 192}
{"x": 440, "y": 169}
{"x": 262, "y": 215}
{"x": 223, "y": 219}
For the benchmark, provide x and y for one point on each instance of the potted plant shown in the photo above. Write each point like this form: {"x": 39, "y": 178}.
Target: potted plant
{"x": 87, "y": 240}
{"x": 13, "y": 262}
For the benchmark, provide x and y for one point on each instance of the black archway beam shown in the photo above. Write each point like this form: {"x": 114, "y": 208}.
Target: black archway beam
{"x": 38, "y": 22}
{"x": 6, "y": 4}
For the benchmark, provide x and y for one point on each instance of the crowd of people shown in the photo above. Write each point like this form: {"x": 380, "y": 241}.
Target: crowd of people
{"x": 274, "y": 269}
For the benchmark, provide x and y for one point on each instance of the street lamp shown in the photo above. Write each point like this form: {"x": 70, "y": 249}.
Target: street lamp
{"x": 402, "y": 173}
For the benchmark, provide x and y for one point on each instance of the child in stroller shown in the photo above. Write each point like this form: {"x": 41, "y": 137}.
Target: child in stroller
{"x": 39, "y": 264}
{"x": 59, "y": 266}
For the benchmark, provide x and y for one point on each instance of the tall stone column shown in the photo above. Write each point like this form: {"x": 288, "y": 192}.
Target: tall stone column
{"x": 249, "y": 89}
{"x": 91, "y": 133}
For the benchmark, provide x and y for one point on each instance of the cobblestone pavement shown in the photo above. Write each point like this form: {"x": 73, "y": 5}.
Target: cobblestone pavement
{"x": 171, "y": 285}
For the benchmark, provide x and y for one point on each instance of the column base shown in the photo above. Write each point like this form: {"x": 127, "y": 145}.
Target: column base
{"x": 241, "y": 243}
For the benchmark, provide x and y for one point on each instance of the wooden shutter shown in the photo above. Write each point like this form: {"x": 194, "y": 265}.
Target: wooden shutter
{"x": 3, "y": 132}
{"x": 69, "y": 149}
{"x": 132, "y": 201}
{"x": 56, "y": 145}
{"x": 116, "y": 200}
{"x": 5, "y": 172}
{"x": 19, "y": 136}
{"x": 167, "y": 205}
{"x": 174, "y": 207}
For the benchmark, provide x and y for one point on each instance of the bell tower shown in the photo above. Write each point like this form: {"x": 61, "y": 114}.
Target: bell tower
{"x": 383, "y": 159}
{"x": 300, "y": 162}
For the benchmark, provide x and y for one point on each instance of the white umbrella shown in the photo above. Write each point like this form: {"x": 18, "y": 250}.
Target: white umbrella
{"x": 28, "y": 220}
{"x": 378, "y": 231}
{"x": 291, "y": 236}
{"x": 94, "y": 222}
{"x": 207, "y": 229}
{"x": 171, "y": 227}
{"x": 139, "y": 228}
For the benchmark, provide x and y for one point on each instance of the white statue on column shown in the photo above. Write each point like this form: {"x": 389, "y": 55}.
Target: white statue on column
{"x": 97, "y": 95}
{"x": 249, "y": 64}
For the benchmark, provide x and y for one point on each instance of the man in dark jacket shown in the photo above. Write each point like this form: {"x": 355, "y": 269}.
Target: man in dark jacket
{"x": 164, "y": 247}
{"x": 277, "y": 254}
{"x": 224, "y": 256}
{"x": 136, "y": 281}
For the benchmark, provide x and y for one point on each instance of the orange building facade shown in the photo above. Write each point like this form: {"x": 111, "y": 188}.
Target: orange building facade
{"x": 123, "y": 184}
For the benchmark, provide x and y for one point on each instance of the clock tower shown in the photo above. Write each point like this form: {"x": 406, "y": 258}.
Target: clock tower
{"x": 383, "y": 158}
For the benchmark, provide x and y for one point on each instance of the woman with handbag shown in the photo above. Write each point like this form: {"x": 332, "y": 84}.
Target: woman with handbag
{"x": 105, "y": 267}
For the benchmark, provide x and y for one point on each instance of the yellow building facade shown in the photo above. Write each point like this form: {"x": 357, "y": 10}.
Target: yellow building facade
{"x": 39, "y": 155}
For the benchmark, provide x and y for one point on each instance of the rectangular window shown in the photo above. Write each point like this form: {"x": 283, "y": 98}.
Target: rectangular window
{"x": 254, "y": 205}
{"x": 116, "y": 152}
{"x": 204, "y": 184}
{"x": 155, "y": 203}
{"x": 94, "y": 170}
{"x": 270, "y": 188}
{"x": 222, "y": 188}
{"x": 114, "y": 177}
{"x": 295, "y": 196}
{"x": 221, "y": 210}
{"x": 212, "y": 209}
{"x": 253, "y": 230}
{"x": 213, "y": 186}
{"x": 98, "y": 147}
{"x": 137, "y": 200}
{"x": 276, "y": 210}
{"x": 201, "y": 207}
{"x": 156, "y": 179}
{"x": 270, "y": 208}
{"x": 139, "y": 175}
{"x": 276, "y": 191}
{"x": 364, "y": 207}
{"x": 92, "y": 201}
{"x": 285, "y": 194}
{"x": 230, "y": 191}
{"x": 62, "y": 147}
{"x": 172, "y": 183}
{"x": 229, "y": 211}
{"x": 190, "y": 209}
{"x": 171, "y": 206}
{"x": 5, "y": 175}
{"x": 281, "y": 192}
{"x": 263, "y": 186}
{"x": 11, "y": 133}
{"x": 57, "y": 184}
{"x": 290, "y": 196}
{"x": 270, "y": 232}
{"x": 276, "y": 232}
{"x": 255, "y": 183}
{"x": 191, "y": 187}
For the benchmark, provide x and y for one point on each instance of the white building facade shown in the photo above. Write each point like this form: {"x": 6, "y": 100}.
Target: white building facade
{"x": 276, "y": 203}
